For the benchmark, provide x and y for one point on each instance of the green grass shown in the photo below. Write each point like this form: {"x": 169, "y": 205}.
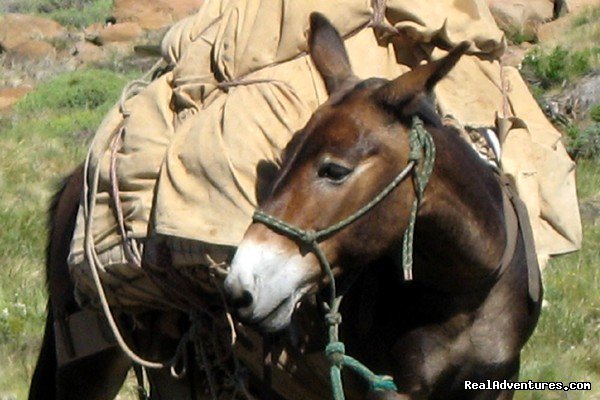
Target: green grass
{"x": 587, "y": 17}
{"x": 44, "y": 139}
{"x": 595, "y": 113}
{"x": 566, "y": 344}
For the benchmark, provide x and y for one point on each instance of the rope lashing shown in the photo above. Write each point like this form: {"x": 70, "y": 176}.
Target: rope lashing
{"x": 179, "y": 361}
{"x": 335, "y": 352}
{"x": 422, "y": 153}
{"x": 422, "y": 148}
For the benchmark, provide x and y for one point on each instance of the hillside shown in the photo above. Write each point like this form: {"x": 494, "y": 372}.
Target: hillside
{"x": 57, "y": 83}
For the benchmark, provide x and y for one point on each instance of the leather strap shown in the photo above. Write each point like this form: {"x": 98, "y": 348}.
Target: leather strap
{"x": 522, "y": 221}
{"x": 80, "y": 335}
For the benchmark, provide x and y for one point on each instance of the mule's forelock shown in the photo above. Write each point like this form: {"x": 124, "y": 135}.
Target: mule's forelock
{"x": 328, "y": 52}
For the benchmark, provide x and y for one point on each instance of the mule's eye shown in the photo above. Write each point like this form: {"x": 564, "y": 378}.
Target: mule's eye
{"x": 334, "y": 172}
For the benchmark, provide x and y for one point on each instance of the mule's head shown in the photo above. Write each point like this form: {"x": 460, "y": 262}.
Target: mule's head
{"x": 352, "y": 147}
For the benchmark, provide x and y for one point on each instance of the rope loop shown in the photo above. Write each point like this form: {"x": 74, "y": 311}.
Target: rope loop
{"x": 335, "y": 352}
{"x": 422, "y": 151}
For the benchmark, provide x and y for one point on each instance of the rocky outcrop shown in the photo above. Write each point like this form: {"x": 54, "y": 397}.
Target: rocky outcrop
{"x": 514, "y": 54}
{"x": 33, "y": 50}
{"x": 153, "y": 14}
{"x": 113, "y": 33}
{"x": 122, "y": 32}
{"x": 10, "y": 95}
{"x": 521, "y": 17}
{"x": 27, "y": 38}
{"x": 17, "y": 29}
{"x": 575, "y": 102}
{"x": 575, "y": 6}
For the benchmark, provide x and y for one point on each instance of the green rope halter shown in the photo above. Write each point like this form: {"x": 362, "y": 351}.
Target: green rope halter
{"x": 422, "y": 148}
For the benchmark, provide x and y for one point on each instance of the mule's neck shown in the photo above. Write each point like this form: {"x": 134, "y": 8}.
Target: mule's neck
{"x": 460, "y": 233}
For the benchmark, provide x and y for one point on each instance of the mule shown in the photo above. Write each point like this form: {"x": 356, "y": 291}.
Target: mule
{"x": 474, "y": 300}
{"x": 429, "y": 333}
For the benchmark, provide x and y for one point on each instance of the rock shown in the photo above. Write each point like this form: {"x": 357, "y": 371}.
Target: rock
{"x": 575, "y": 102}
{"x": 86, "y": 53}
{"x": 553, "y": 31}
{"x": 521, "y": 17}
{"x": 119, "y": 49}
{"x": 99, "y": 34}
{"x": 16, "y": 29}
{"x": 10, "y": 95}
{"x": 93, "y": 30}
{"x": 33, "y": 50}
{"x": 123, "y": 32}
{"x": 514, "y": 54}
{"x": 153, "y": 14}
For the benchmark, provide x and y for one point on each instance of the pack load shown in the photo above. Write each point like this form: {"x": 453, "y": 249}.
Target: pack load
{"x": 183, "y": 160}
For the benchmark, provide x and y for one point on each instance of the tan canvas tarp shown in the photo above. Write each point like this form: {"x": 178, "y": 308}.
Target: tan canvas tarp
{"x": 197, "y": 138}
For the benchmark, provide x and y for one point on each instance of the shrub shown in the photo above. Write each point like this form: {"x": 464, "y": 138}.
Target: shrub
{"x": 80, "y": 13}
{"x": 588, "y": 16}
{"x": 88, "y": 89}
{"x": 557, "y": 66}
{"x": 518, "y": 36}
{"x": 71, "y": 105}
{"x": 74, "y": 13}
{"x": 584, "y": 143}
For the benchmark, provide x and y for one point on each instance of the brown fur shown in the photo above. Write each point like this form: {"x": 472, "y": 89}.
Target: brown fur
{"x": 464, "y": 316}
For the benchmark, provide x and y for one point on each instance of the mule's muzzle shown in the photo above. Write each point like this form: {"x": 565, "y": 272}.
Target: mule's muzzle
{"x": 237, "y": 295}
{"x": 245, "y": 299}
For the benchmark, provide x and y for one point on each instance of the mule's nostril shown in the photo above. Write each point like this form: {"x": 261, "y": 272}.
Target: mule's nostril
{"x": 244, "y": 300}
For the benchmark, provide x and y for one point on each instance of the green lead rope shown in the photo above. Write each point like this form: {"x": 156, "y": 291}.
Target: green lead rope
{"x": 336, "y": 353}
{"x": 422, "y": 151}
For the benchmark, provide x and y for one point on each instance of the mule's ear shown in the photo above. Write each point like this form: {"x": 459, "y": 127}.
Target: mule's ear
{"x": 328, "y": 52}
{"x": 420, "y": 80}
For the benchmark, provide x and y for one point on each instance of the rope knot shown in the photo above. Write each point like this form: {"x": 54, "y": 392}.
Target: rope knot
{"x": 415, "y": 154}
{"x": 333, "y": 318}
{"x": 309, "y": 236}
{"x": 415, "y": 139}
{"x": 335, "y": 352}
